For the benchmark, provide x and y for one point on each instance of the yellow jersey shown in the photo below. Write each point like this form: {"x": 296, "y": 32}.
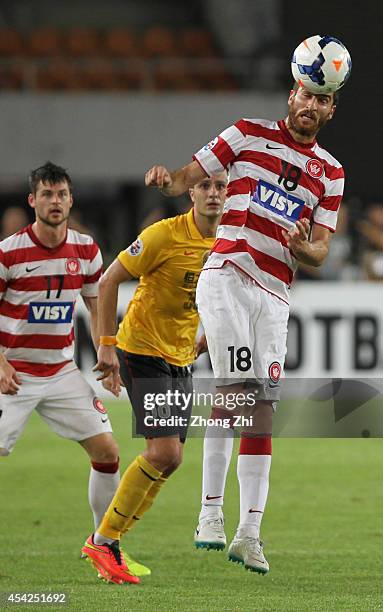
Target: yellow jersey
{"x": 162, "y": 317}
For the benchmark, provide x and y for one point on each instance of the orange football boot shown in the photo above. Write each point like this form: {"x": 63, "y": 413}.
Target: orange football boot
{"x": 109, "y": 562}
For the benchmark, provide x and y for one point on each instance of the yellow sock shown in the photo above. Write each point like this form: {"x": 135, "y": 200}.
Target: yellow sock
{"x": 147, "y": 502}
{"x": 138, "y": 478}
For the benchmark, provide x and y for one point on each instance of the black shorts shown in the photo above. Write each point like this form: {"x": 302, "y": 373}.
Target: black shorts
{"x": 160, "y": 393}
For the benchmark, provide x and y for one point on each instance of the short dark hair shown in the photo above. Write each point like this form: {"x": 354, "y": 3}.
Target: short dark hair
{"x": 48, "y": 173}
{"x": 336, "y": 94}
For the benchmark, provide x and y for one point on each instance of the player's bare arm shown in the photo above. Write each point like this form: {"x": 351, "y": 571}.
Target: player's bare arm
{"x": 9, "y": 380}
{"x": 91, "y": 305}
{"x": 107, "y": 361}
{"x": 312, "y": 251}
{"x": 110, "y": 383}
{"x": 176, "y": 182}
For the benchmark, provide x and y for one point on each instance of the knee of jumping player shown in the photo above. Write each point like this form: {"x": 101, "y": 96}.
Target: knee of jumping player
{"x": 262, "y": 418}
{"x": 4, "y": 452}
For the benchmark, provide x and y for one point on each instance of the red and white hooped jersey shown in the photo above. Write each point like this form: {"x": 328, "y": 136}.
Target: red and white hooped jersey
{"x": 38, "y": 291}
{"x": 273, "y": 182}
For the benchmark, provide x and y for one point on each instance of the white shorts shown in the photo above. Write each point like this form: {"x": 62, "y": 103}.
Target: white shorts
{"x": 65, "y": 401}
{"x": 245, "y": 327}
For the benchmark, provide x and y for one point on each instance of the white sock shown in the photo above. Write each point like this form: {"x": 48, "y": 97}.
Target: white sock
{"x": 101, "y": 490}
{"x": 253, "y": 476}
{"x": 99, "y": 539}
{"x": 217, "y": 450}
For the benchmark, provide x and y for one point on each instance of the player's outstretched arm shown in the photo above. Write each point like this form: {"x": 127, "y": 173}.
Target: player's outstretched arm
{"x": 107, "y": 361}
{"x": 9, "y": 380}
{"x": 176, "y": 182}
{"x": 312, "y": 251}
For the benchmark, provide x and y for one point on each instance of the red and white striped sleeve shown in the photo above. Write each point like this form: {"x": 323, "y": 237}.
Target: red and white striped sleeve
{"x": 326, "y": 212}
{"x": 222, "y": 151}
{"x": 94, "y": 271}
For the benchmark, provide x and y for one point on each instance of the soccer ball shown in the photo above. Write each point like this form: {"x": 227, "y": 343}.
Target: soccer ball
{"x": 322, "y": 64}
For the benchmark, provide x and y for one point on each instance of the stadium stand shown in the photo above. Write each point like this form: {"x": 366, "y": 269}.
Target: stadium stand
{"x": 156, "y": 58}
{"x": 47, "y": 42}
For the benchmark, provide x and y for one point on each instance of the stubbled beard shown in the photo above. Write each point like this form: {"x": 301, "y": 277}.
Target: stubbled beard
{"x": 305, "y": 131}
{"x": 46, "y": 221}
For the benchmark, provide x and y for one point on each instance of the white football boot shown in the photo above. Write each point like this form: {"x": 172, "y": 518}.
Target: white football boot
{"x": 210, "y": 534}
{"x": 249, "y": 552}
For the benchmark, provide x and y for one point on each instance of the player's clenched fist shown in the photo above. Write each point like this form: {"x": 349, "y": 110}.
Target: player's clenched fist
{"x": 158, "y": 176}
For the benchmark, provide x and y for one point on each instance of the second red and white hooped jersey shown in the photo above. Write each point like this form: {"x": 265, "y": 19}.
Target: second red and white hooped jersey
{"x": 39, "y": 287}
{"x": 273, "y": 182}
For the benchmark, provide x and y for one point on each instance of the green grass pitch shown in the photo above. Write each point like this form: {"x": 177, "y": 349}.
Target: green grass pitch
{"x": 323, "y": 529}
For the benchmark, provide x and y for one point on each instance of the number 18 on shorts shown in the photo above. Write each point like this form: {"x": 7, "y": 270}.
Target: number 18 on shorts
{"x": 245, "y": 327}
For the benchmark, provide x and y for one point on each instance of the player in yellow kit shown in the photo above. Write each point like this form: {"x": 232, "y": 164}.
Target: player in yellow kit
{"x": 155, "y": 348}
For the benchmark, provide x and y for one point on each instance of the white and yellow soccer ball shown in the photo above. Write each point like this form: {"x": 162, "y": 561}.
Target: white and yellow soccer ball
{"x": 322, "y": 64}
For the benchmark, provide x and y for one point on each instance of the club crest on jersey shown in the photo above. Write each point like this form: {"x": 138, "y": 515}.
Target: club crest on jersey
{"x": 136, "y": 247}
{"x": 72, "y": 266}
{"x": 275, "y": 372}
{"x": 210, "y": 144}
{"x": 280, "y": 202}
{"x": 314, "y": 168}
{"x": 46, "y": 312}
{"x": 97, "y": 403}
